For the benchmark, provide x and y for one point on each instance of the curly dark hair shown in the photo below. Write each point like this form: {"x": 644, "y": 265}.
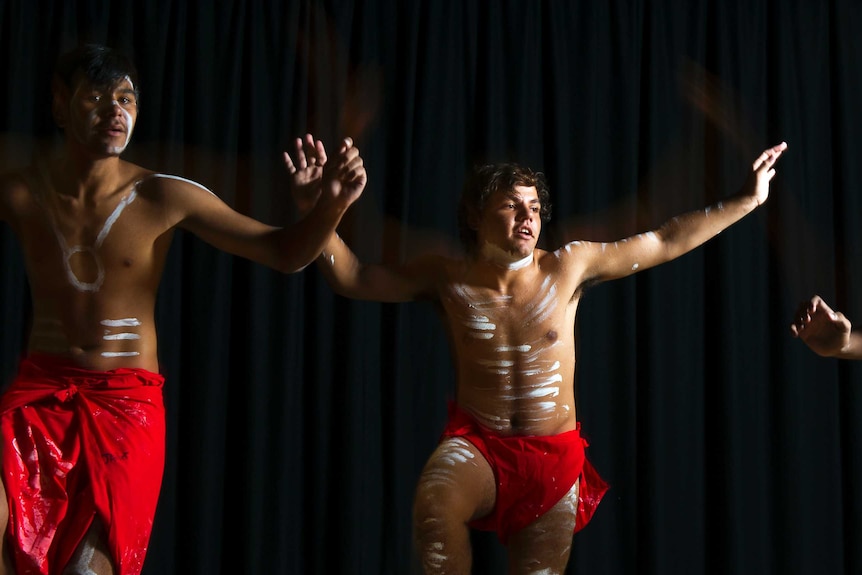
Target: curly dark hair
{"x": 100, "y": 65}
{"x": 487, "y": 179}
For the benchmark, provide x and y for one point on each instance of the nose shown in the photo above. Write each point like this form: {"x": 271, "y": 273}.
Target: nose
{"x": 110, "y": 108}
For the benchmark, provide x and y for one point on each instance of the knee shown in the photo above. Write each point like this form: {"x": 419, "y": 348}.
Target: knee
{"x": 429, "y": 508}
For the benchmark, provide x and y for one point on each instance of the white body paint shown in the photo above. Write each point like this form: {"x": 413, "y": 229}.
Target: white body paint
{"x": 123, "y": 335}
{"x": 126, "y": 322}
{"x": 502, "y": 258}
{"x": 69, "y": 251}
{"x": 179, "y": 179}
{"x": 453, "y": 452}
{"x": 519, "y": 370}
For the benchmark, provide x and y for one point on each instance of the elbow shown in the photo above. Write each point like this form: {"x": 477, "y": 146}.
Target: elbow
{"x": 288, "y": 268}
{"x": 290, "y": 264}
{"x": 291, "y": 268}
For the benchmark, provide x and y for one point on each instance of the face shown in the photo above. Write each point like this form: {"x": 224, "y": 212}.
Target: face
{"x": 101, "y": 119}
{"x": 511, "y": 222}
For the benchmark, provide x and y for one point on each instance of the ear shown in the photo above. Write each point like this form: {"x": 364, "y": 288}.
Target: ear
{"x": 59, "y": 102}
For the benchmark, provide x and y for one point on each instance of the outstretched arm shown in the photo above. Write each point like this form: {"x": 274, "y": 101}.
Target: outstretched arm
{"x": 287, "y": 249}
{"x": 347, "y": 275}
{"x": 827, "y": 332}
{"x": 682, "y": 233}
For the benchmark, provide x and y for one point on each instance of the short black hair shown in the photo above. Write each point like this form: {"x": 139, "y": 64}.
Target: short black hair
{"x": 489, "y": 178}
{"x": 100, "y": 65}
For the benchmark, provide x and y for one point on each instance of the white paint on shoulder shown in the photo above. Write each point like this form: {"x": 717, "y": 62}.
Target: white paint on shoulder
{"x": 178, "y": 178}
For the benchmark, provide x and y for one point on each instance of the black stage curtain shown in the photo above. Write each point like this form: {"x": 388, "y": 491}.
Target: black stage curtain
{"x": 299, "y": 420}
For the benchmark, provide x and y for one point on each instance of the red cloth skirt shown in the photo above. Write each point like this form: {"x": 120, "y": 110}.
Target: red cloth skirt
{"x": 76, "y": 444}
{"x": 532, "y": 473}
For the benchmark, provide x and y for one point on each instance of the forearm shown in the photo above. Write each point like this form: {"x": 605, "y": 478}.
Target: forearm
{"x": 340, "y": 266}
{"x": 300, "y": 244}
{"x": 688, "y": 231}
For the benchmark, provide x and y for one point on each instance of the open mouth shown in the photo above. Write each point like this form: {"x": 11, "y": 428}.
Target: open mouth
{"x": 113, "y": 130}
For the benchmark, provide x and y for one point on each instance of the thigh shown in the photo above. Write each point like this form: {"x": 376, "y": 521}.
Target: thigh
{"x": 456, "y": 482}
{"x": 92, "y": 557}
{"x": 545, "y": 544}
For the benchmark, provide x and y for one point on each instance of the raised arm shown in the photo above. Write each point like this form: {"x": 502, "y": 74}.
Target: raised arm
{"x": 827, "y": 332}
{"x": 681, "y": 234}
{"x": 347, "y": 275}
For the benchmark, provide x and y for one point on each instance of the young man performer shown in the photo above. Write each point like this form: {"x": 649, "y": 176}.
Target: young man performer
{"x": 82, "y": 425}
{"x": 511, "y": 458}
{"x": 828, "y": 333}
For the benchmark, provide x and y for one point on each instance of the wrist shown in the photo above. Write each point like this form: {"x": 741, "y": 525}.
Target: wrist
{"x": 330, "y": 208}
{"x": 749, "y": 201}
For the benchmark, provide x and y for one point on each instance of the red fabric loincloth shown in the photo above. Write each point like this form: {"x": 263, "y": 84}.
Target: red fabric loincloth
{"x": 79, "y": 443}
{"x": 532, "y": 473}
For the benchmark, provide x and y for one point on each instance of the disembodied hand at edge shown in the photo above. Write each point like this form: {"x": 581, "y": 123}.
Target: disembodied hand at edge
{"x": 825, "y": 331}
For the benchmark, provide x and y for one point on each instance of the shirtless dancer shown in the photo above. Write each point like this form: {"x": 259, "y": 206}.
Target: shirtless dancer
{"x": 82, "y": 425}
{"x": 828, "y": 333}
{"x": 511, "y": 458}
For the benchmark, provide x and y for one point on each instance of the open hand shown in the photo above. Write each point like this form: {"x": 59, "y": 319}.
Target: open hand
{"x": 307, "y": 172}
{"x": 762, "y": 172}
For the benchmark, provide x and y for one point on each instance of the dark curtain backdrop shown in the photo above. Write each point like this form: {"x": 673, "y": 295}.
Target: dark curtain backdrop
{"x": 299, "y": 421}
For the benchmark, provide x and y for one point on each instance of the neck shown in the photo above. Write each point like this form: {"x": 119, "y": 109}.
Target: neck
{"x": 81, "y": 175}
{"x": 504, "y": 259}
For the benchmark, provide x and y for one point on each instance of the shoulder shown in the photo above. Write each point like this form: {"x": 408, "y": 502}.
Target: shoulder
{"x": 568, "y": 253}
{"x": 572, "y": 262}
{"x": 17, "y": 181}
{"x": 16, "y": 190}
{"x": 168, "y": 187}
{"x": 148, "y": 180}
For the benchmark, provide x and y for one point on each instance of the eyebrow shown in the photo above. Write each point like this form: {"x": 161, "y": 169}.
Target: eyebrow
{"x": 519, "y": 197}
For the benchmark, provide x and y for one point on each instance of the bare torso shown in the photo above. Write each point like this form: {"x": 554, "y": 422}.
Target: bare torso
{"x": 94, "y": 267}
{"x": 514, "y": 345}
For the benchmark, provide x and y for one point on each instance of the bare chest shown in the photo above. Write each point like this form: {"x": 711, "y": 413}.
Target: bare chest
{"x": 478, "y": 315}
{"x": 81, "y": 248}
